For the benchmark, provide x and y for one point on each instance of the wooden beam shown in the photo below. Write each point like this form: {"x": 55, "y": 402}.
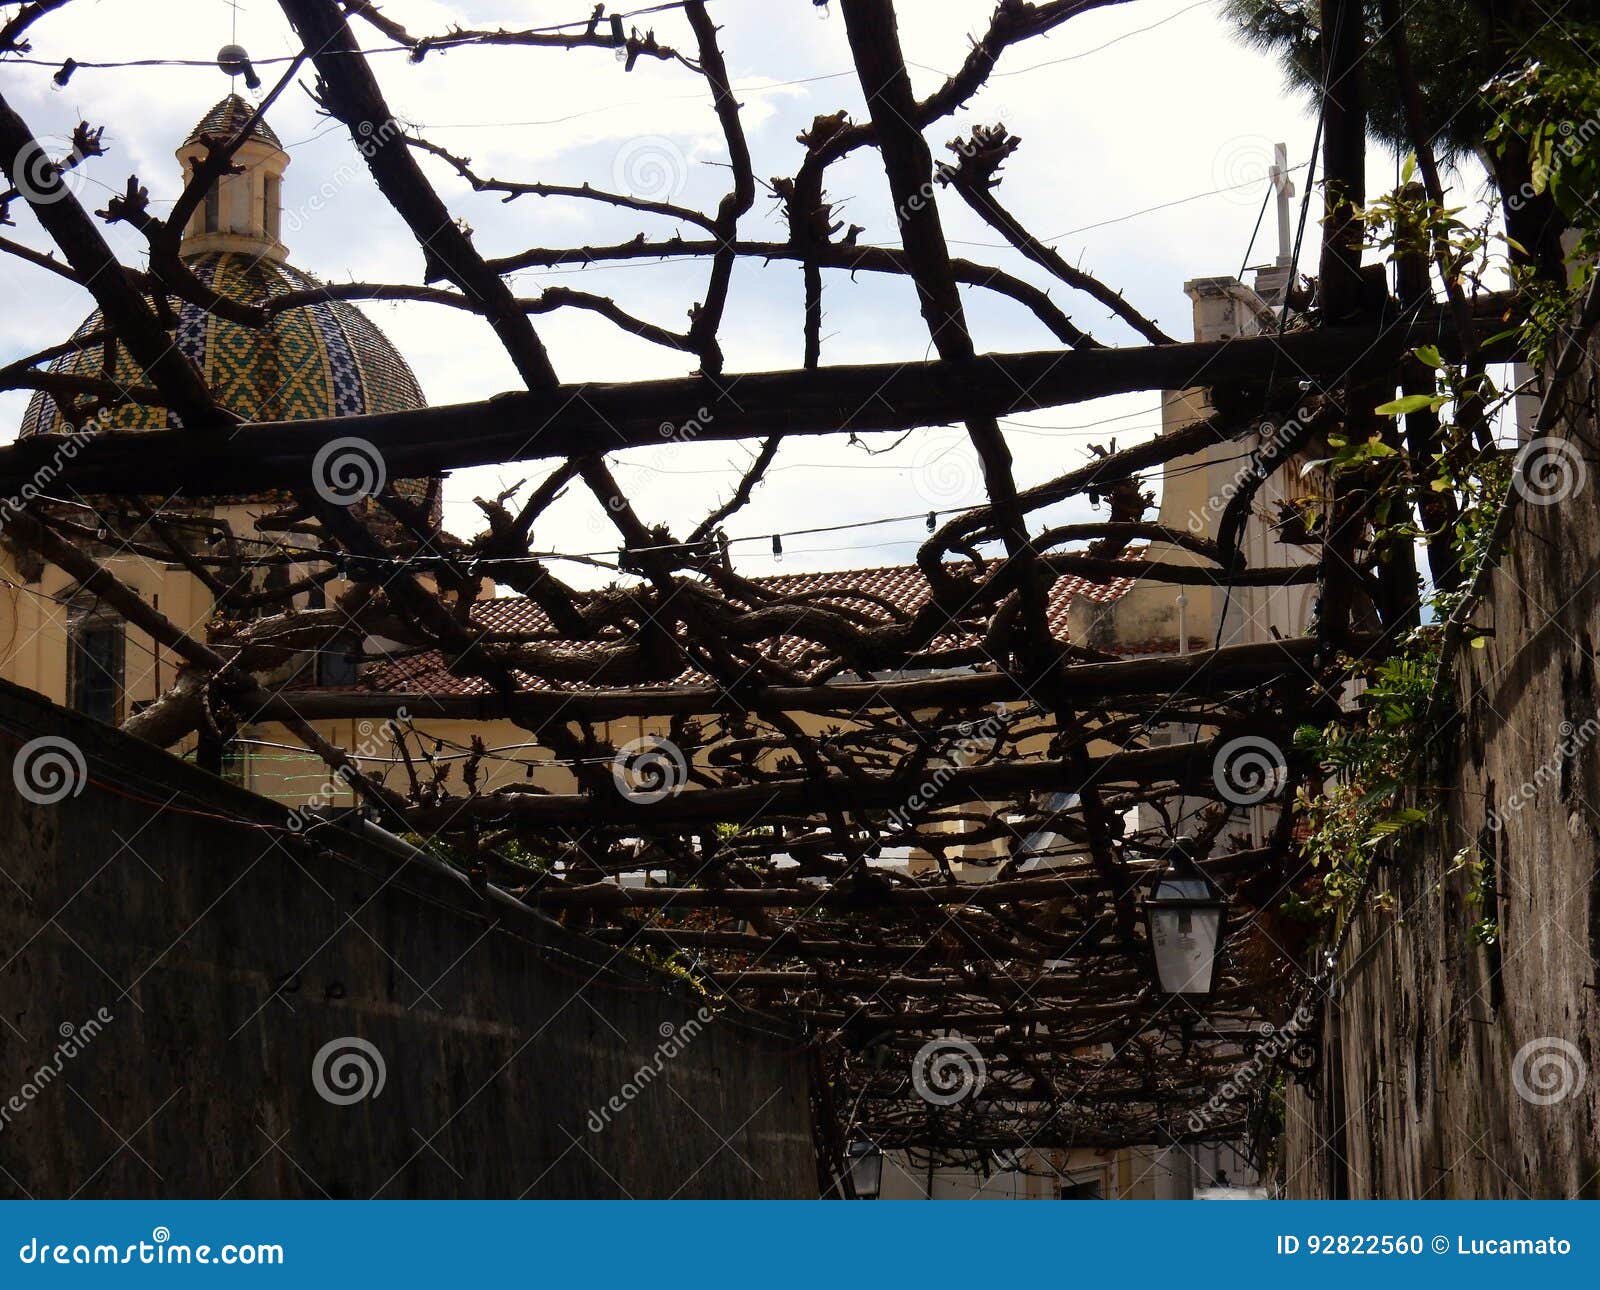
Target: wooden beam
{"x": 873, "y": 893}
{"x": 589, "y": 417}
{"x": 1188, "y": 762}
{"x": 1206, "y": 673}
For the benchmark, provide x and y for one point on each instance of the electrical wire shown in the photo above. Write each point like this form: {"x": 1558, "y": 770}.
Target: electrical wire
{"x": 430, "y": 44}
{"x": 1122, "y": 219}
{"x": 397, "y": 562}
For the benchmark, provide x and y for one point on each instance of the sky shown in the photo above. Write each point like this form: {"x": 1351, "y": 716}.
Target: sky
{"x": 1132, "y": 118}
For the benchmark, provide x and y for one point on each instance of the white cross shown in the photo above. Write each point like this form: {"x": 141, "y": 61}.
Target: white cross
{"x": 1278, "y": 173}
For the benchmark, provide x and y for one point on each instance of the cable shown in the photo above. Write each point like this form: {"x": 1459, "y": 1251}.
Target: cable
{"x": 746, "y": 90}
{"x": 489, "y": 562}
{"x": 1116, "y": 40}
{"x": 1260, "y": 215}
{"x": 1121, "y": 219}
{"x": 428, "y": 44}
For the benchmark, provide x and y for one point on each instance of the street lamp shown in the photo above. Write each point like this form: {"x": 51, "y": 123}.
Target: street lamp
{"x": 1184, "y": 915}
{"x": 866, "y": 1170}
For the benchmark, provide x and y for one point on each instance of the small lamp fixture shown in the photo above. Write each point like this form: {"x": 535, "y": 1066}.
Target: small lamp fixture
{"x": 235, "y": 62}
{"x": 866, "y": 1170}
{"x": 1184, "y": 916}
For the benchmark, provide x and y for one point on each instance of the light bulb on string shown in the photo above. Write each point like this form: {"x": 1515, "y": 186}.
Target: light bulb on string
{"x": 777, "y": 549}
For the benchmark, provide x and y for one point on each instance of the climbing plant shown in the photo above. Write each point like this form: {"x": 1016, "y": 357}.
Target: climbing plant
{"x": 1378, "y": 757}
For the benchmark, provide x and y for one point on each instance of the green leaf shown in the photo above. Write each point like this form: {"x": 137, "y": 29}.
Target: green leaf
{"x": 1429, "y": 354}
{"x": 1409, "y": 169}
{"x": 1409, "y": 403}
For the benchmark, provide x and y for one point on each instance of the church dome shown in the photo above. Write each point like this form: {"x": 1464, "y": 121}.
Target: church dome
{"x": 325, "y": 359}
{"x": 321, "y": 360}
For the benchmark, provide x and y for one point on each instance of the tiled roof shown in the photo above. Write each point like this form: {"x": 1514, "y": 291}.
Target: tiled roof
{"x": 881, "y": 594}
{"x": 326, "y": 360}
{"x": 904, "y": 587}
{"x": 226, "y": 119}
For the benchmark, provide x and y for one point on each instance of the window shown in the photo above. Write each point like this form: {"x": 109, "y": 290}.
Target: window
{"x": 1082, "y": 1191}
{"x": 94, "y": 671}
{"x": 271, "y": 204}
{"x": 338, "y": 663}
{"x": 213, "y": 209}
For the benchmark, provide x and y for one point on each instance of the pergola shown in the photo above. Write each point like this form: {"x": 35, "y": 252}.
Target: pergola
{"x": 794, "y": 774}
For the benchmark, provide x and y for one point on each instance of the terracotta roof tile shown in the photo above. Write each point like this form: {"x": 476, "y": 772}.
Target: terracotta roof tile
{"x": 877, "y": 593}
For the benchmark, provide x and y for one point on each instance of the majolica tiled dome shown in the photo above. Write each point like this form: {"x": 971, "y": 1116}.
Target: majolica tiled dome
{"x": 323, "y": 360}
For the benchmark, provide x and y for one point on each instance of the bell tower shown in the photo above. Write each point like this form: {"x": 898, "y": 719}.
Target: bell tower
{"x": 243, "y": 212}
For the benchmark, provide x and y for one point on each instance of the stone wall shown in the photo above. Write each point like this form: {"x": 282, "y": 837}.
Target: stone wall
{"x": 1453, "y": 1066}
{"x": 196, "y": 1003}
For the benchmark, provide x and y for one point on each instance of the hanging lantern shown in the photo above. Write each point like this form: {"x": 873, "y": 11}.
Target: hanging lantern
{"x": 1184, "y": 915}
{"x": 866, "y": 1170}
{"x": 235, "y": 62}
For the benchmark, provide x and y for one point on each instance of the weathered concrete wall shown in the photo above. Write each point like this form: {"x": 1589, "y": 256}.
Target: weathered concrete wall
{"x": 1453, "y": 1068}
{"x": 205, "y": 958}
